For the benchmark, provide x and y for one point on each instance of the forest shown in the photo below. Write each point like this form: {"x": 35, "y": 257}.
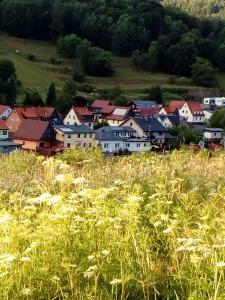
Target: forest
{"x": 159, "y": 38}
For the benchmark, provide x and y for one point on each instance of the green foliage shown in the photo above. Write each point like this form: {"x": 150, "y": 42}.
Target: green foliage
{"x": 186, "y": 135}
{"x": 66, "y": 46}
{"x": 155, "y": 94}
{"x": 203, "y": 73}
{"x": 33, "y": 99}
{"x": 8, "y": 82}
{"x": 217, "y": 119}
{"x": 51, "y": 96}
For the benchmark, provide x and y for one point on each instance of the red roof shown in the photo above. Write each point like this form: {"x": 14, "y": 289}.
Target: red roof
{"x": 195, "y": 107}
{"x": 147, "y": 112}
{"x": 31, "y": 130}
{"x": 83, "y": 114}
{"x": 3, "y": 108}
{"x": 104, "y": 106}
{"x": 34, "y": 112}
{"x": 173, "y": 106}
{"x": 3, "y": 125}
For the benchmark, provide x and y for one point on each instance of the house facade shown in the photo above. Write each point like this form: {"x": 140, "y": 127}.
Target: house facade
{"x": 213, "y": 134}
{"x": 192, "y": 112}
{"x": 7, "y": 146}
{"x": 4, "y": 130}
{"x": 79, "y": 116}
{"x": 5, "y": 111}
{"x": 118, "y": 116}
{"x": 73, "y": 136}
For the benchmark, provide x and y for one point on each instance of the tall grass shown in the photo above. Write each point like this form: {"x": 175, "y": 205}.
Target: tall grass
{"x": 80, "y": 226}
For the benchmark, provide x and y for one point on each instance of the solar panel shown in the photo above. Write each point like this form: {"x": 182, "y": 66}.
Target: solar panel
{"x": 66, "y": 129}
{"x": 119, "y": 111}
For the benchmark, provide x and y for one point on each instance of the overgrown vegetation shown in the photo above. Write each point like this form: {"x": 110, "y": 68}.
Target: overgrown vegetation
{"x": 140, "y": 227}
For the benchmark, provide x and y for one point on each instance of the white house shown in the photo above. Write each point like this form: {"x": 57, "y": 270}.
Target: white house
{"x": 79, "y": 116}
{"x": 214, "y": 101}
{"x": 4, "y": 130}
{"x": 5, "y": 111}
{"x": 213, "y": 134}
{"x": 170, "y": 121}
{"x": 118, "y": 116}
{"x": 193, "y": 112}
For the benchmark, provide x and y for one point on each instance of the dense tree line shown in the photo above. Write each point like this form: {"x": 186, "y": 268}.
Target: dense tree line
{"x": 160, "y": 38}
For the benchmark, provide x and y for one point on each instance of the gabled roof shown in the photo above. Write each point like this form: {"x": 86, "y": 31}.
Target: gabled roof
{"x": 173, "y": 106}
{"x": 83, "y": 112}
{"x": 116, "y": 129}
{"x": 31, "y": 130}
{"x": 3, "y": 125}
{"x": 145, "y": 103}
{"x": 147, "y": 112}
{"x": 195, "y": 107}
{"x": 119, "y": 113}
{"x": 34, "y": 112}
{"x": 108, "y": 136}
{"x": 100, "y": 103}
{"x": 150, "y": 124}
{"x": 174, "y": 119}
{"x": 3, "y": 108}
{"x": 73, "y": 129}
{"x": 104, "y": 106}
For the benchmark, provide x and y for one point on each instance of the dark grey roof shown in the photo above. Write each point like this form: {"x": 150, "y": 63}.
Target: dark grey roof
{"x": 150, "y": 124}
{"x": 174, "y": 119}
{"x": 108, "y": 136}
{"x": 214, "y": 129}
{"x": 116, "y": 129}
{"x": 73, "y": 129}
{"x": 8, "y": 144}
{"x": 170, "y": 137}
{"x": 145, "y": 103}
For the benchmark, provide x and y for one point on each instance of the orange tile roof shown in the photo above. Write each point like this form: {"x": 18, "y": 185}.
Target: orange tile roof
{"x": 34, "y": 112}
{"x": 31, "y": 130}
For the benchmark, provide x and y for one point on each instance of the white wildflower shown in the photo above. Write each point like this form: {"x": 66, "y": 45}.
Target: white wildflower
{"x": 79, "y": 180}
{"x": 91, "y": 257}
{"x": 220, "y": 264}
{"x": 53, "y": 200}
{"x": 7, "y": 258}
{"x": 55, "y": 278}
{"x": 168, "y": 230}
{"x": 157, "y": 223}
{"x": 134, "y": 198}
{"x": 25, "y": 259}
{"x": 105, "y": 252}
{"x": 115, "y": 281}
{"x": 60, "y": 178}
{"x": 26, "y": 291}
{"x": 5, "y": 218}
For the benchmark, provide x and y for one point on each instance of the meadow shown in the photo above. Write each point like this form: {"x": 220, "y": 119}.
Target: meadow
{"x": 40, "y": 73}
{"x": 80, "y": 226}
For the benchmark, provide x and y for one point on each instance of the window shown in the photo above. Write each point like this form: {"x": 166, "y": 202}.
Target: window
{"x": 90, "y": 144}
{"x": 78, "y": 135}
{"x": 74, "y": 117}
{"x": 89, "y": 124}
{"x": 69, "y": 136}
{"x": 160, "y": 133}
{"x": 4, "y": 132}
{"x": 68, "y": 123}
{"x": 84, "y": 145}
{"x": 3, "y": 118}
{"x": 117, "y": 145}
{"x": 106, "y": 146}
{"x": 145, "y": 145}
{"x": 127, "y": 145}
{"x": 215, "y": 133}
{"x": 131, "y": 123}
{"x": 69, "y": 116}
{"x": 138, "y": 145}
{"x": 90, "y": 135}
{"x": 68, "y": 145}
{"x": 85, "y": 135}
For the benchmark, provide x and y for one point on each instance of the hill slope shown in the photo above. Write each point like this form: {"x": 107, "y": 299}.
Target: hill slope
{"x": 84, "y": 227}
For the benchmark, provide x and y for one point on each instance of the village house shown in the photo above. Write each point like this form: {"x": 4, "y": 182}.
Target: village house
{"x": 4, "y": 130}
{"x": 172, "y": 108}
{"x": 170, "y": 121}
{"x": 101, "y": 109}
{"x": 193, "y": 112}
{"x": 79, "y": 116}
{"x": 214, "y": 102}
{"x": 149, "y": 128}
{"x": 5, "y": 111}
{"x": 213, "y": 134}
{"x": 7, "y": 146}
{"x": 19, "y": 114}
{"x": 72, "y": 136}
{"x": 34, "y": 135}
{"x": 118, "y": 116}
{"x": 113, "y": 140}
{"x": 137, "y": 105}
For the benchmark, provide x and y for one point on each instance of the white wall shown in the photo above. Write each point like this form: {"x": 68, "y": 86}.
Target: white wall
{"x": 72, "y": 119}
{"x": 213, "y": 135}
{"x": 4, "y": 136}
{"x": 6, "y": 114}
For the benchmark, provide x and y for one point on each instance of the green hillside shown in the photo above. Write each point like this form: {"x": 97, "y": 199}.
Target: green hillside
{"x": 82, "y": 227}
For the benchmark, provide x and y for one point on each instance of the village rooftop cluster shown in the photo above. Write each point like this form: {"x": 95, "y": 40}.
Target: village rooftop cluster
{"x": 137, "y": 127}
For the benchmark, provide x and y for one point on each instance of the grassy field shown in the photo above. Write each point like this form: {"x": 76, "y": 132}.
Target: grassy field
{"x": 84, "y": 227}
{"x": 39, "y": 74}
